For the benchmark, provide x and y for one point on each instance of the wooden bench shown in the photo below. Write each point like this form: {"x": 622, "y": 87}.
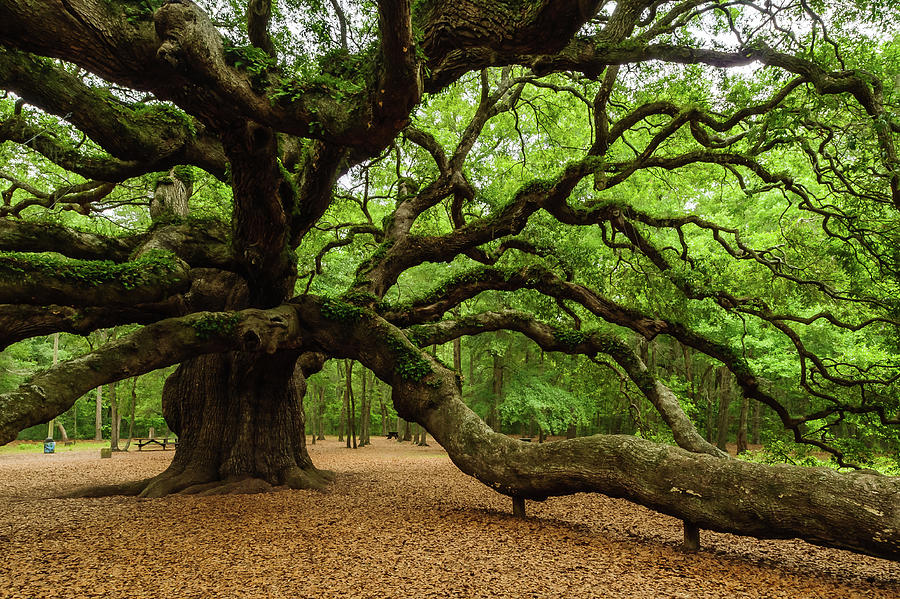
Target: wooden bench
{"x": 164, "y": 442}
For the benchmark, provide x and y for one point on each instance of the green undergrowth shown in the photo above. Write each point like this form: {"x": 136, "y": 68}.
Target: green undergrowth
{"x": 38, "y": 447}
{"x": 780, "y": 452}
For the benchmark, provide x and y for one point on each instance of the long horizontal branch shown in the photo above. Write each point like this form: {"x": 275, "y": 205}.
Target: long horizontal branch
{"x": 576, "y": 342}
{"x": 164, "y": 343}
{"x": 23, "y": 321}
{"x": 38, "y": 279}
{"x": 28, "y": 236}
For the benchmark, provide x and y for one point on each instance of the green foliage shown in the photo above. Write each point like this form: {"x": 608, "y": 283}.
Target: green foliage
{"x": 569, "y": 338}
{"x": 141, "y": 10}
{"x": 184, "y": 173}
{"x": 164, "y": 114}
{"x": 216, "y": 325}
{"x": 336, "y": 74}
{"x": 255, "y": 61}
{"x": 551, "y": 407}
{"x": 408, "y": 362}
{"x": 341, "y": 311}
{"x": 146, "y": 270}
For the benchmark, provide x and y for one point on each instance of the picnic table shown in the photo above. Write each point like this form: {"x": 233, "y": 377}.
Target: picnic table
{"x": 165, "y": 442}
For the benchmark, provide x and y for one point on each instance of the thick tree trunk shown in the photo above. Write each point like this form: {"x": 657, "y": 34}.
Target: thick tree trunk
{"x": 239, "y": 420}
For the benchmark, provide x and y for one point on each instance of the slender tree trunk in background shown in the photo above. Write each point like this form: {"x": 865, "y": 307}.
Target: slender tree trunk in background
{"x": 493, "y": 419}
{"x": 383, "y": 408}
{"x": 312, "y": 408}
{"x": 113, "y": 418}
{"x": 345, "y": 405}
{"x": 320, "y": 414}
{"x": 423, "y": 438}
{"x": 457, "y": 347}
{"x": 754, "y": 438}
{"x": 64, "y": 436}
{"x": 351, "y": 406}
{"x": 415, "y": 433}
{"x": 694, "y": 389}
{"x": 55, "y": 361}
{"x": 134, "y": 380}
{"x": 723, "y": 387}
{"x": 742, "y": 425}
{"x": 471, "y": 377}
{"x": 406, "y": 435}
{"x": 98, "y": 420}
{"x": 706, "y": 388}
{"x": 364, "y": 409}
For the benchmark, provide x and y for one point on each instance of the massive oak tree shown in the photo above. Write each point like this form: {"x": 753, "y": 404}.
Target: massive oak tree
{"x": 548, "y": 149}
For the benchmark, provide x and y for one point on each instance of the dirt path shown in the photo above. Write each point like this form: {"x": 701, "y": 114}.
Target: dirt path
{"x": 400, "y": 521}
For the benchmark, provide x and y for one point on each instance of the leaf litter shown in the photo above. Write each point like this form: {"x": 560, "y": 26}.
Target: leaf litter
{"x": 399, "y": 521}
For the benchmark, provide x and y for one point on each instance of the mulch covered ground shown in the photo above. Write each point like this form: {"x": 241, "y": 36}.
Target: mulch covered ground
{"x": 399, "y": 521}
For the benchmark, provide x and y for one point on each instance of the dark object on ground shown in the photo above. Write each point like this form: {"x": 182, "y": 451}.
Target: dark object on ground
{"x": 392, "y": 435}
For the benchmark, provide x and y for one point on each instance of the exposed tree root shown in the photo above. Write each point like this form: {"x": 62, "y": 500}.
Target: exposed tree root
{"x": 307, "y": 478}
{"x": 192, "y": 482}
{"x": 170, "y": 482}
{"x": 239, "y": 486}
{"x": 129, "y": 488}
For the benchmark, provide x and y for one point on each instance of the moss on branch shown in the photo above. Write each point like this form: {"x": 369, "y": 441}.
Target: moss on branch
{"x": 216, "y": 325}
{"x": 148, "y": 269}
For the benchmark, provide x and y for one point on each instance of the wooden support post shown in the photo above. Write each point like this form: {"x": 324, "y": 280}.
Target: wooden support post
{"x": 518, "y": 506}
{"x": 691, "y": 536}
